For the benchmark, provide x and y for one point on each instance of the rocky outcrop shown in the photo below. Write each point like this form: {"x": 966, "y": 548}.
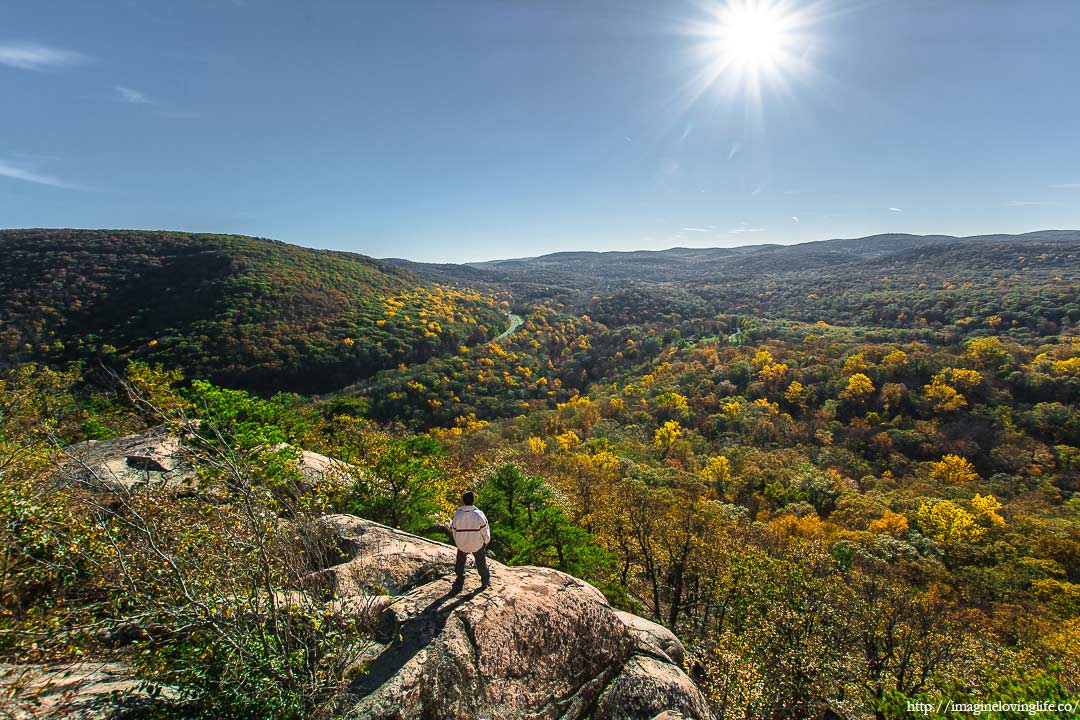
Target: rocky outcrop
{"x": 537, "y": 644}
{"x": 158, "y": 457}
{"x": 153, "y": 457}
{"x": 79, "y": 691}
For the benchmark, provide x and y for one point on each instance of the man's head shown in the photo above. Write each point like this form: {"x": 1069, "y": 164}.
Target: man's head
{"x": 468, "y": 498}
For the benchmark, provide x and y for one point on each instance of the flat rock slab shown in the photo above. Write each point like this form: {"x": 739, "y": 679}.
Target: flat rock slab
{"x": 78, "y": 691}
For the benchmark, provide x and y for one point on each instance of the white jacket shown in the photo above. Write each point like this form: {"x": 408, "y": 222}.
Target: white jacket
{"x": 470, "y": 529}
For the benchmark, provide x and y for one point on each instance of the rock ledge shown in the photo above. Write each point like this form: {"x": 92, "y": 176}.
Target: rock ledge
{"x": 537, "y": 644}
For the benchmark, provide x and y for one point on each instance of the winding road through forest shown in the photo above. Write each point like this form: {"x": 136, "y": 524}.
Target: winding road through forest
{"x": 516, "y": 321}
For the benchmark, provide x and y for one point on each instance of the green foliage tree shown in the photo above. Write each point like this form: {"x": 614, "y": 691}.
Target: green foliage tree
{"x": 528, "y": 526}
{"x": 401, "y": 486}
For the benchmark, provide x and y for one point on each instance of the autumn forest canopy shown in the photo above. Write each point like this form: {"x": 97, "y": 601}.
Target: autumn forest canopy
{"x": 844, "y": 473}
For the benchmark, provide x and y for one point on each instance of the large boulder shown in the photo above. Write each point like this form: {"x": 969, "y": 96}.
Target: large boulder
{"x": 152, "y": 457}
{"x": 158, "y": 457}
{"x": 537, "y": 644}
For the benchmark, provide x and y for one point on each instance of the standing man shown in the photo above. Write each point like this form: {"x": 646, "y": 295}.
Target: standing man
{"x": 471, "y": 535}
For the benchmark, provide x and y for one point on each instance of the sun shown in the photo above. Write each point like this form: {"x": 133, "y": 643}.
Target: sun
{"x": 753, "y": 36}
{"x": 753, "y": 47}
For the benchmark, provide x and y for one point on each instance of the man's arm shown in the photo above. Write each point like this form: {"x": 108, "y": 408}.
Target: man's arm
{"x": 486, "y": 531}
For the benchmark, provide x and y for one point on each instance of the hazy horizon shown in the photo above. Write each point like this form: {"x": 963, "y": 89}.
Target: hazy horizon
{"x": 457, "y": 132}
{"x": 468, "y": 261}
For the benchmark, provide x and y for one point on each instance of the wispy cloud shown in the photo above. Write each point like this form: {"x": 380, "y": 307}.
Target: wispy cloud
{"x": 1067, "y": 186}
{"x": 795, "y": 218}
{"x": 735, "y": 148}
{"x": 32, "y": 56}
{"x": 16, "y": 172}
{"x": 896, "y": 209}
{"x": 695, "y": 229}
{"x": 744, "y": 228}
{"x": 133, "y": 96}
{"x": 1029, "y": 203}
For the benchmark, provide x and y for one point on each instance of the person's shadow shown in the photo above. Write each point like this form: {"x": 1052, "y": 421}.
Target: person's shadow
{"x": 408, "y": 639}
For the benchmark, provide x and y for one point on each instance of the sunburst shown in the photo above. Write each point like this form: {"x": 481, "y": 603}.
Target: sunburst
{"x": 753, "y": 47}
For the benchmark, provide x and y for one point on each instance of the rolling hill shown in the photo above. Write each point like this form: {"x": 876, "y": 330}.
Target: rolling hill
{"x": 598, "y": 269}
{"x": 885, "y": 281}
{"x": 242, "y": 311}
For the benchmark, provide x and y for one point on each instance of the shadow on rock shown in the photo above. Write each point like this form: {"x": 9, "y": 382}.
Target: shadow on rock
{"x": 407, "y": 639}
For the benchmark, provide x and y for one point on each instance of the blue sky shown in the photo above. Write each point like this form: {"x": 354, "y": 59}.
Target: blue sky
{"x": 474, "y": 129}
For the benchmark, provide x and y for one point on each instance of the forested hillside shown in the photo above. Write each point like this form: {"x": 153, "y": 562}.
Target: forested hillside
{"x": 844, "y": 474}
{"x": 896, "y": 281}
{"x": 839, "y": 470}
{"x": 243, "y": 311}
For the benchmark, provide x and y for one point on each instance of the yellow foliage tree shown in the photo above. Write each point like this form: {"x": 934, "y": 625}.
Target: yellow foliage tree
{"x": 666, "y": 436}
{"x": 986, "y": 509}
{"x": 761, "y": 359}
{"x": 672, "y": 402}
{"x": 953, "y": 470}
{"x": 796, "y": 393}
{"x": 536, "y": 446}
{"x": 1067, "y": 367}
{"x": 770, "y": 408}
{"x": 943, "y": 396}
{"x": 890, "y": 523}
{"x": 858, "y": 388}
{"x": 961, "y": 378}
{"x": 987, "y": 352}
{"x": 732, "y": 410}
{"x": 947, "y": 524}
{"x": 717, "y": 470}
{"x": 774, "y": 372}
{"x": 567, "y": 441}
{"x": 894, "y": 360}
{"x": 855, "y": 364}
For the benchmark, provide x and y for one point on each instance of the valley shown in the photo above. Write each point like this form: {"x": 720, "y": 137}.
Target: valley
{"x": 844, "y": 473}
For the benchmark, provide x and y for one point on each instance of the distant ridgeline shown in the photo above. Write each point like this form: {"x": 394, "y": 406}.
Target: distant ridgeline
{"x": 1027, "y": 283}
{"x": 241, "y": 311}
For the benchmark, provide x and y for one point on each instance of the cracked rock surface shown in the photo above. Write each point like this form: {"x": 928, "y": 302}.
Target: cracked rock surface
{"x": 537, "y": 644}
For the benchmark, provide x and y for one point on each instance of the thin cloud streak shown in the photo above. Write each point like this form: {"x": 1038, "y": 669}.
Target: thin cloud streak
{"x": 896, "y": 209}
{"x": 1067, "y": 186}
{"x": 133, "y": 96}
{"x": 744, "y": 228}
{"x": 1029, "y": 203}
{"x": 15, "y": 172}
{"x": 32, "y": 56}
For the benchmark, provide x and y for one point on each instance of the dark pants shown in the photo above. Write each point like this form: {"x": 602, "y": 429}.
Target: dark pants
{"x": 480, "y": 556}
